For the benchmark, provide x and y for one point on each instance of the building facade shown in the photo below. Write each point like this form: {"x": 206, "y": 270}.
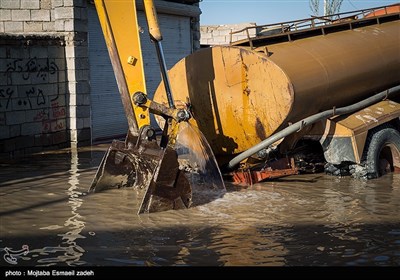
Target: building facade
{"x": 56, "y": 81}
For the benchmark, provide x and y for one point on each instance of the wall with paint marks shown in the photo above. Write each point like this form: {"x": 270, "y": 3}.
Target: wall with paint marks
{"x": 44, "y": 76}
{"x": 33, "y": 95}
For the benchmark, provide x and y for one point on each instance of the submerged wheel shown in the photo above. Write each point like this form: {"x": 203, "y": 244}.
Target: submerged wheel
{"x": 382, "y": 152}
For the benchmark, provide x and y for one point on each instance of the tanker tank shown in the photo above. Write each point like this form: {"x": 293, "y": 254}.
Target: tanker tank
{"x": 242, "y": 93}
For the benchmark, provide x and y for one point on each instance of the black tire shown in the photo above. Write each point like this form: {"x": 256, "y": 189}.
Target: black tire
{"x": 381, "y": 152}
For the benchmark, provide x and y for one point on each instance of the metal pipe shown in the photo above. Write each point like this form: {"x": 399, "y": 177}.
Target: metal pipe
{"x": 164, "y": 73}
{"x": 156, "y": 37}
{"x": 308, "y": 121}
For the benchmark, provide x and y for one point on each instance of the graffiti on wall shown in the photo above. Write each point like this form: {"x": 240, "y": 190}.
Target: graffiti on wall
{"x": 28, "y": 70}
{"x": 34, "y": 85}
{"x": 52, "y": 119}
{"x": 30, "y": 67}
{"x": 5, "y": 97}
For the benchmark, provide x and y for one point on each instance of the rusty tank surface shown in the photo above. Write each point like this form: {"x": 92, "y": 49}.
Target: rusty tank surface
{"x": 242, "y": 93}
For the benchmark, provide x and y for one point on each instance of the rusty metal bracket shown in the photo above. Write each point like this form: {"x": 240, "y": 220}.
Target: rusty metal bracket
{"x": 247, "y": 177}
{"x": 387, "y": 95}
{"x": 302, "y": 125}
{"x": 178, "y": 114}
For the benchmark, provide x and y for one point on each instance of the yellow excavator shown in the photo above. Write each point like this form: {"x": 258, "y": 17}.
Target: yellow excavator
{"x": 257, "y": 104}
{"x": 179, "y": 169}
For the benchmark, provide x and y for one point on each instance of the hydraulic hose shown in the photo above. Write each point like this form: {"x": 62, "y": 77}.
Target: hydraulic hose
{"x": 308, "y": 121}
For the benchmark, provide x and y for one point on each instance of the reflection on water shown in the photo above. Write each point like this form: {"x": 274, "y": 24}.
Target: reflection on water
{"x": 74, "y": 224}
{"x": 298, "y": 220}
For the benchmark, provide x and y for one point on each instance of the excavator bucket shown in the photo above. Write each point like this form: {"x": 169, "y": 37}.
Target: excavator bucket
{"x": 181, "y": 175}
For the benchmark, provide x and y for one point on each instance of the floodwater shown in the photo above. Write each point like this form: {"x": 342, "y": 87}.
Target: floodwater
{"x": 307, "y": 220}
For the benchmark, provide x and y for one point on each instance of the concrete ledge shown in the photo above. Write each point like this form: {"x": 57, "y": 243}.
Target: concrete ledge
{"x": 172, "y": 8}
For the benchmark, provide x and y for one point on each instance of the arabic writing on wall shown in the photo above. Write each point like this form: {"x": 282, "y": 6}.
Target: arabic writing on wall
{"x": 35, "y": 86}
{"x": 32, "y": 71}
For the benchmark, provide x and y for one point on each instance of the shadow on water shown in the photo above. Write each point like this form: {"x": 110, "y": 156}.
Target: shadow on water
{"x": 47, "y": 165}
{"x": 33, "y": 206}
{"x": 49, "y": 170}
{"x": 310, "y": 220}
{"x": 308, "y": 245}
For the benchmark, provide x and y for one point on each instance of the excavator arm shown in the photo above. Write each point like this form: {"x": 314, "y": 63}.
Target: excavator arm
{"x": 119, "y": 23}
{"x": 121, "y": 31}
{"x": 166, "y": 172}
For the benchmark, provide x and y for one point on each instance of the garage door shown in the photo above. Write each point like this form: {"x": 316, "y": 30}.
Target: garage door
{"x": 108, "y": 117}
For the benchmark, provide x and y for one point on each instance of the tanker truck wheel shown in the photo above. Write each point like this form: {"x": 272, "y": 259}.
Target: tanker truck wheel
{"x": 381, "y": 153}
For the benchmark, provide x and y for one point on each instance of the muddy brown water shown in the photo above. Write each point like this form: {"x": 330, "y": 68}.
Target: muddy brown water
{"x": 306, "y": 220}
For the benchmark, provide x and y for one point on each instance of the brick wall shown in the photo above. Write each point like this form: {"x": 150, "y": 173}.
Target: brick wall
{"x": 44, "y": 73}
{"x": 220, "y": 34}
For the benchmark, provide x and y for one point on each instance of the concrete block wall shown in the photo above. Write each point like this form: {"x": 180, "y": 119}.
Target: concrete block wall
{"x": 220, "y": 34}
{"x": 44, "y": 74}
{"x": 26, "y": 16}
{"x": 33, "y": 95}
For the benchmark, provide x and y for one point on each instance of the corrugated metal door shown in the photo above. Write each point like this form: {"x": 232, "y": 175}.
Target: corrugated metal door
{"x": 108, "y": 117}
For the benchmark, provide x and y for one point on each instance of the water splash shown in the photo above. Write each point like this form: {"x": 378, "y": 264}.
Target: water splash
{"x": 196, "y": 157}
